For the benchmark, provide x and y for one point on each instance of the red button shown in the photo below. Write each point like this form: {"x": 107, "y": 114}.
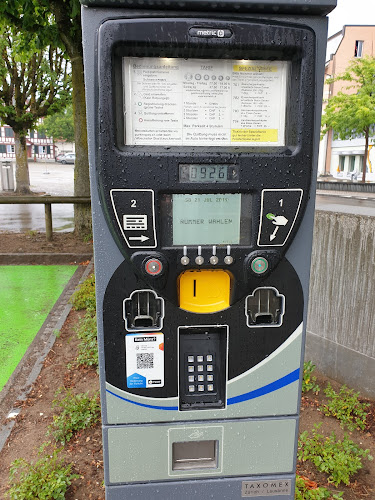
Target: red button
{"x": 153, "y": 267}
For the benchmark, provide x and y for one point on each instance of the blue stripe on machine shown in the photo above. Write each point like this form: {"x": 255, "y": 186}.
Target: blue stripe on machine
{"x": 266, "y": 389}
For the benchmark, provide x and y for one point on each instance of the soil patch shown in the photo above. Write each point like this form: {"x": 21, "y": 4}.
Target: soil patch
{"x": 30, "y": 429}
{"x": 36, "y": 243}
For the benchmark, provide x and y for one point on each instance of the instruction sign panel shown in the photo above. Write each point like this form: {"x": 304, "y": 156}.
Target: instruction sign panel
{"x": 204, "y": 102}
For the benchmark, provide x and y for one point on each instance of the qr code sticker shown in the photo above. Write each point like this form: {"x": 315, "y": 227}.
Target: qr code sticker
{"x": 145, "y": 361}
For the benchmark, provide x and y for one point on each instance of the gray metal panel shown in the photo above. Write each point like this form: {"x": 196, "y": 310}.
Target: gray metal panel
{"x": 305, "y": 7}
{"x": 225, "y": 489}
{"x": 256, "y": 446}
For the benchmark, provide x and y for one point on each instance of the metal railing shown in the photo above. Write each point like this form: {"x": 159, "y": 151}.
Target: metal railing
{"x": 47, "y": 201}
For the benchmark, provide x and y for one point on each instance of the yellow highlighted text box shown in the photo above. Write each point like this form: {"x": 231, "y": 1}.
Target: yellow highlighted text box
{"x": 254, "y": 135}
{"x": 255, "y": 68}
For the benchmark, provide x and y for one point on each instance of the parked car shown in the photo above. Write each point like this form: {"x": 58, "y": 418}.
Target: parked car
{"x": 59, "y": 156}
{"x": 68, "y": 158}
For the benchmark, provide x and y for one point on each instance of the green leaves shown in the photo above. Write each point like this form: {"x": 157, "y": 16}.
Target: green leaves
{"x": 352, "y": 110}
{"x": 308, "y": 380}
{"x": 340, "y": 459}
{"x": 33, "y": 82}
{"x": 351, "y": 113}
{"x": 48, "y": 478}
{"x": 78, "y": 411}
{"x": 59, "y": 125}
{"x": 346, "y": 407}
{"x": 304, "y": 493}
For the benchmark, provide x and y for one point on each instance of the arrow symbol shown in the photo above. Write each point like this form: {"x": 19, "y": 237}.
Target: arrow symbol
{"x": 141, "y": 238}
{"x": 273, "y": 235}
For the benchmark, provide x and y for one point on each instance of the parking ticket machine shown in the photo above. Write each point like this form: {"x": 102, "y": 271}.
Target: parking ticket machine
{"x": 203, "y": 122}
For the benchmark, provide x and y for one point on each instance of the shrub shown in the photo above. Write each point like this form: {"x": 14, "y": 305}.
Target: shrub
{"x": 305, "y": 493}
{"x": 48, "y": 478}
{"x": 339, "y": 459}
{"x": 346, "y": 407}
{"x": 79, "y": 411}
{"x": 88, "y": 347}
{"x": 308, "y": 381}
{"x": 84, "y": 297}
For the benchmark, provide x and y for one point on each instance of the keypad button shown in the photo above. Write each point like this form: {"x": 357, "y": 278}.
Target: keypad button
{"x": 200, "y": 368}
{"x": 200, "y": 378}
{"x": 209, "y": 358}
{"x": 191, "y": 388}
{"x": 209, "y": 368}
{"x": 200, "y": 359}
{"x": 210, "y": 378}
{"x": 191, "y": 378}
{"x": 190, "y": 359}
{"x": 200, "y": 388}
{"x": 210, "y": 387}
{"x": 190, "y": 368}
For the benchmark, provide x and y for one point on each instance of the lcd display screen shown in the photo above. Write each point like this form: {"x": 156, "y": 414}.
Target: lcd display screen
{"x": 204, "y": 102}
{"x": 206, "y": 219}
{"x": 208, "y": 173}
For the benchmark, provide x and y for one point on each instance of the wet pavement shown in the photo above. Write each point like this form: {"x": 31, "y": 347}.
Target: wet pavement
{"x": 45, "y": 178}
{"x": 346, "y": 202}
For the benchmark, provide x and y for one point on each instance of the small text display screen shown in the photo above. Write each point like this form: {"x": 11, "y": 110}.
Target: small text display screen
{"x": 206, "y": 219}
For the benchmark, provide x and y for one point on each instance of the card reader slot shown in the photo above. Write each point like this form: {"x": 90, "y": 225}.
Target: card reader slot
{"x": 265, "y": 307}
{"x": 143, "y": 310}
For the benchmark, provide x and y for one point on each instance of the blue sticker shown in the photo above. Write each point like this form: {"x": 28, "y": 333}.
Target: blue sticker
{"x": 136, "y": 380}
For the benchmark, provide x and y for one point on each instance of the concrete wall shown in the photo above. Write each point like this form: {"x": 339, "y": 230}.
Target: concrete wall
{"x": 341, "y": 317}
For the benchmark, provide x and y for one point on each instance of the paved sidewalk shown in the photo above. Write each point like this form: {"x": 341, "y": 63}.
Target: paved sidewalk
{"x": 346, "y": 194}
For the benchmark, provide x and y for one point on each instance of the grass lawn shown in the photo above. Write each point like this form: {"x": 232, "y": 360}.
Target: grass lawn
{"x": 27, "y": 294}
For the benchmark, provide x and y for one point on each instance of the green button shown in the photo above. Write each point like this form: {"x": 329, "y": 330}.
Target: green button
{"x": 259, "y": 265}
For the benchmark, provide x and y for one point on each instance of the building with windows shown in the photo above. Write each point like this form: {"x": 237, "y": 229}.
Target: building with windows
{"x": 344, "y": 159}
{"x": 37, "y": 144}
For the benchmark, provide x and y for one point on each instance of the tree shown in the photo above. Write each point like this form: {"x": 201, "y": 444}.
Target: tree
{"x": 60, "y": 126}
{"x": 58, "y": 22}
{"x": 352, "y": 114}
{"x": 33, "y": 83}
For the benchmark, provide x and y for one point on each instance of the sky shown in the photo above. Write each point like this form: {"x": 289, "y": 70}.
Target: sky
{"x": 351, "y": 12}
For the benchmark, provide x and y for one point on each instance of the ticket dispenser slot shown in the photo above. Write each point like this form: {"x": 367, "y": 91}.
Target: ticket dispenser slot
{"x": 195, "y": 455}
{"x": 202, "y": 374}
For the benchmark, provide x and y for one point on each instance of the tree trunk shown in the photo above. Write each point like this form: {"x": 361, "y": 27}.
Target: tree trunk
{"x": 82, "y": 213}
{"x": 365, "y": 155}
{"x": 22, "y": 167}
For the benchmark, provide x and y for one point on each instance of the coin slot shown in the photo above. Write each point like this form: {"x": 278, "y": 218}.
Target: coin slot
{"x": 195, "y": 288}
{"x": 194, "y": 455}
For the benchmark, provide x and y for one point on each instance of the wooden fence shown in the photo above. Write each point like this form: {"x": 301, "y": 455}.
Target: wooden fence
{"x": 47, "y": 201}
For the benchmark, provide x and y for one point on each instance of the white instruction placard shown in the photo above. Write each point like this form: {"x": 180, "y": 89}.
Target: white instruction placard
{"x": 144, "y": 360}
{"x": 204, "y": 102}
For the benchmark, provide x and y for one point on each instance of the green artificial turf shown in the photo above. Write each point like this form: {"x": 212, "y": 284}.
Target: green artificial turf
{"x": 27, "y": 294}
